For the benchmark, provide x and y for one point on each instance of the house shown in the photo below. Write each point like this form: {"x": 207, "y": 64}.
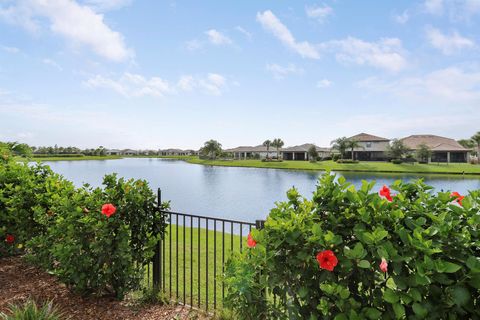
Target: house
{"x": 301, "y": 152}
{"x": 113, "y": 152}
{"x": 177, "y": 152}
{"x": 443, "y": 149}
{"x": 246, "y": 152}
{"x": 371, "y": 148}
{"x": 129, "y": 152}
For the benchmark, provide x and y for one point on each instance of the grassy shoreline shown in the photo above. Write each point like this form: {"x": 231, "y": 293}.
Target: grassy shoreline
{"x": 365, "y": 166}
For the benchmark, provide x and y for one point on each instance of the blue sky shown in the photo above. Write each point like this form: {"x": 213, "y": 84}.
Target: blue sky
{"x": 158, "y": 74}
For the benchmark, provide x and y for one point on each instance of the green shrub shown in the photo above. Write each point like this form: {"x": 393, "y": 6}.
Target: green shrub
{"x": 347, "y": 161}
{"x": 430, "y": 243}
{"x": 396, "y": 161}
{"x": 63, "y": 230}
{"x": 61, "y": 155}
{"x": 31, "y": 311}
{"x": 26, "y": 195}
{"x": 96, "y": 254}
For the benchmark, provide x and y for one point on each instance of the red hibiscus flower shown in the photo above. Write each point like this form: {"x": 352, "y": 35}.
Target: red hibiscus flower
{"x": 458, "y": 197}
{"x": 250, "y": 242}
{"x": 384, "y": 265}
{"x": 9, "y": 239}
{"x": 108, "y": 209}
{"x": 327, "y": 260}
{"x": 385, "y": 193}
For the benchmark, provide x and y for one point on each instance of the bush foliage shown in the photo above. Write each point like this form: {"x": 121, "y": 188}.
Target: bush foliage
{"x": 63, "y": 230}
{"x": 430, "y": 244}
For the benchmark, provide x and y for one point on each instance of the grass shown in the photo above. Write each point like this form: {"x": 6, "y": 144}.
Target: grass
{"x": 190, "y": 287}
{"x": 363, "y": 166}
{"x": 75, "y": 158}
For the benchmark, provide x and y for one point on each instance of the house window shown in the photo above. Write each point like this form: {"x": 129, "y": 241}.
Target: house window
{"x": 369, "y": 144}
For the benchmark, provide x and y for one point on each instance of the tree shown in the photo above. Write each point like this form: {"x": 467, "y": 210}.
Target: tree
{"x": 467, "y": 143}
{"x": 312, "y": 153}
{"x": 352, "y": 144}
{"x": 423, "y": 153}
{"x": 267, "y": 143}
{"x": 19, "y": 149}
{"x": 397, "y": 149}
{"x": 211, "y": 148}
{"x": 341, "y": 145}
{"x": 476, "y": 138}
{"x": 277, "y": 143}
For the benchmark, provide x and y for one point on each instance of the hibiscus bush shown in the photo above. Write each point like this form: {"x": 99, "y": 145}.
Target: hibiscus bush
{"x": 26, "y": 194}
{"x": 97, "y": 240}
{"x": 389, "y": 253}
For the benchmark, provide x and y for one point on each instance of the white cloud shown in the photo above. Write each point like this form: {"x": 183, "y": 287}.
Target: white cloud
{"x": 272, "y": 24}
{"x": 320, "y": 13}
{"x": 247, "y": 34}
{"x": 10, "y": 49}
{"x": 79, "y": 24}
{"x": 324, "y": 83}
{"x": 132, "y": 85}
{"x": 448, "y": 44}
{"x": 135, "y": 85}
{"x": 104, "y": 5}
{"x": 280, "y": 72}
{"x": 387, "y": 53}
{"x": 402, "y": 18}
{"x": 444, "y": 86}
{"x": 217, "y": 38}
{"x": 52, "y": 63}
{"x": 435, "y": 7}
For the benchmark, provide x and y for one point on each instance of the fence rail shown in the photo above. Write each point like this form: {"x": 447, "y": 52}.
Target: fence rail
{"x": 190, "y": 260}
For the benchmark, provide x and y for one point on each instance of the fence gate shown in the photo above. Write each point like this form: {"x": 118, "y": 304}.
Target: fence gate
{"x": 189, "y": 262}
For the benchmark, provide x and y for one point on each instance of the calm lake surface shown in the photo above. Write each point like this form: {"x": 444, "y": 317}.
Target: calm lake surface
{"x": 233, "y": 193}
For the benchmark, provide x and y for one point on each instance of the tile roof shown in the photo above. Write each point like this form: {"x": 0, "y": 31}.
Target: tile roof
{"x": 365, "y": 137}
{"x": 435, "y": 143}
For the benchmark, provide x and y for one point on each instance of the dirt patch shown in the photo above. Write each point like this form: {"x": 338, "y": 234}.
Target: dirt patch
{"x": 20, "y": 281}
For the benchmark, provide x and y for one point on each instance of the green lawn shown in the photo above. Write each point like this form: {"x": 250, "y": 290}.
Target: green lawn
{"x": 364, "y": 166}
{"x": 192, "y": 284}
{"x": 74, "y": 158}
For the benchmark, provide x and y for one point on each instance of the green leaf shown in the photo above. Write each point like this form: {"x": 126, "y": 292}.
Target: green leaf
{"x": 391, "y": 284}
{"x": 420, "y": 310}
{"x": 461, "y": 295}
{"x": 415, "y": 294}
{"x": 390, "y": 296}
{"x": 474, "y": 264}
{"x": 303, "y": 292}
{"x": 399, "y": 310}
{"x": 364, "y": 264}
{"x": 373, "y": 313}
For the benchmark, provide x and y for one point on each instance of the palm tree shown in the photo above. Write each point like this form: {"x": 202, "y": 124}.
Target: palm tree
{"x": 277, "y": 143}
{"x": 341, "y": 145}
{"x": 267, "y": 143}
{"x": 211, "y": 148}
{"x": 476, "y": 139}
{"x": 352, "y": 144}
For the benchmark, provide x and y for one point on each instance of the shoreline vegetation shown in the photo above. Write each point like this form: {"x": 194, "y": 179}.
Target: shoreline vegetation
{"x": 363, "y": 166}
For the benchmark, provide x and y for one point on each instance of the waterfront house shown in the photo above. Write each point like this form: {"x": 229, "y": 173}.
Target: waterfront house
{"x": 113, "y": 152}
{"x": 129, "y": 152}
{"x": 177, "y": 152}
{"x": 443, "y": 149}
{"x": 371, "y": 148}
{"x": 247, "y": 152}
{"x": 301, "y": 152}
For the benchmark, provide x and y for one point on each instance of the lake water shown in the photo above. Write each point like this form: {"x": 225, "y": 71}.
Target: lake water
{"x": 226, "y": 192}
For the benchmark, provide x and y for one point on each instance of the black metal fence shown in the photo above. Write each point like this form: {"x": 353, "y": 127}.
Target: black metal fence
{"x": 189, "y": 262}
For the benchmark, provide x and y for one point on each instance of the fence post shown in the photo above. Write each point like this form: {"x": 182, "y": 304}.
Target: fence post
{"x": 157, "y": 258}
{"x": 259, "y": 224}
